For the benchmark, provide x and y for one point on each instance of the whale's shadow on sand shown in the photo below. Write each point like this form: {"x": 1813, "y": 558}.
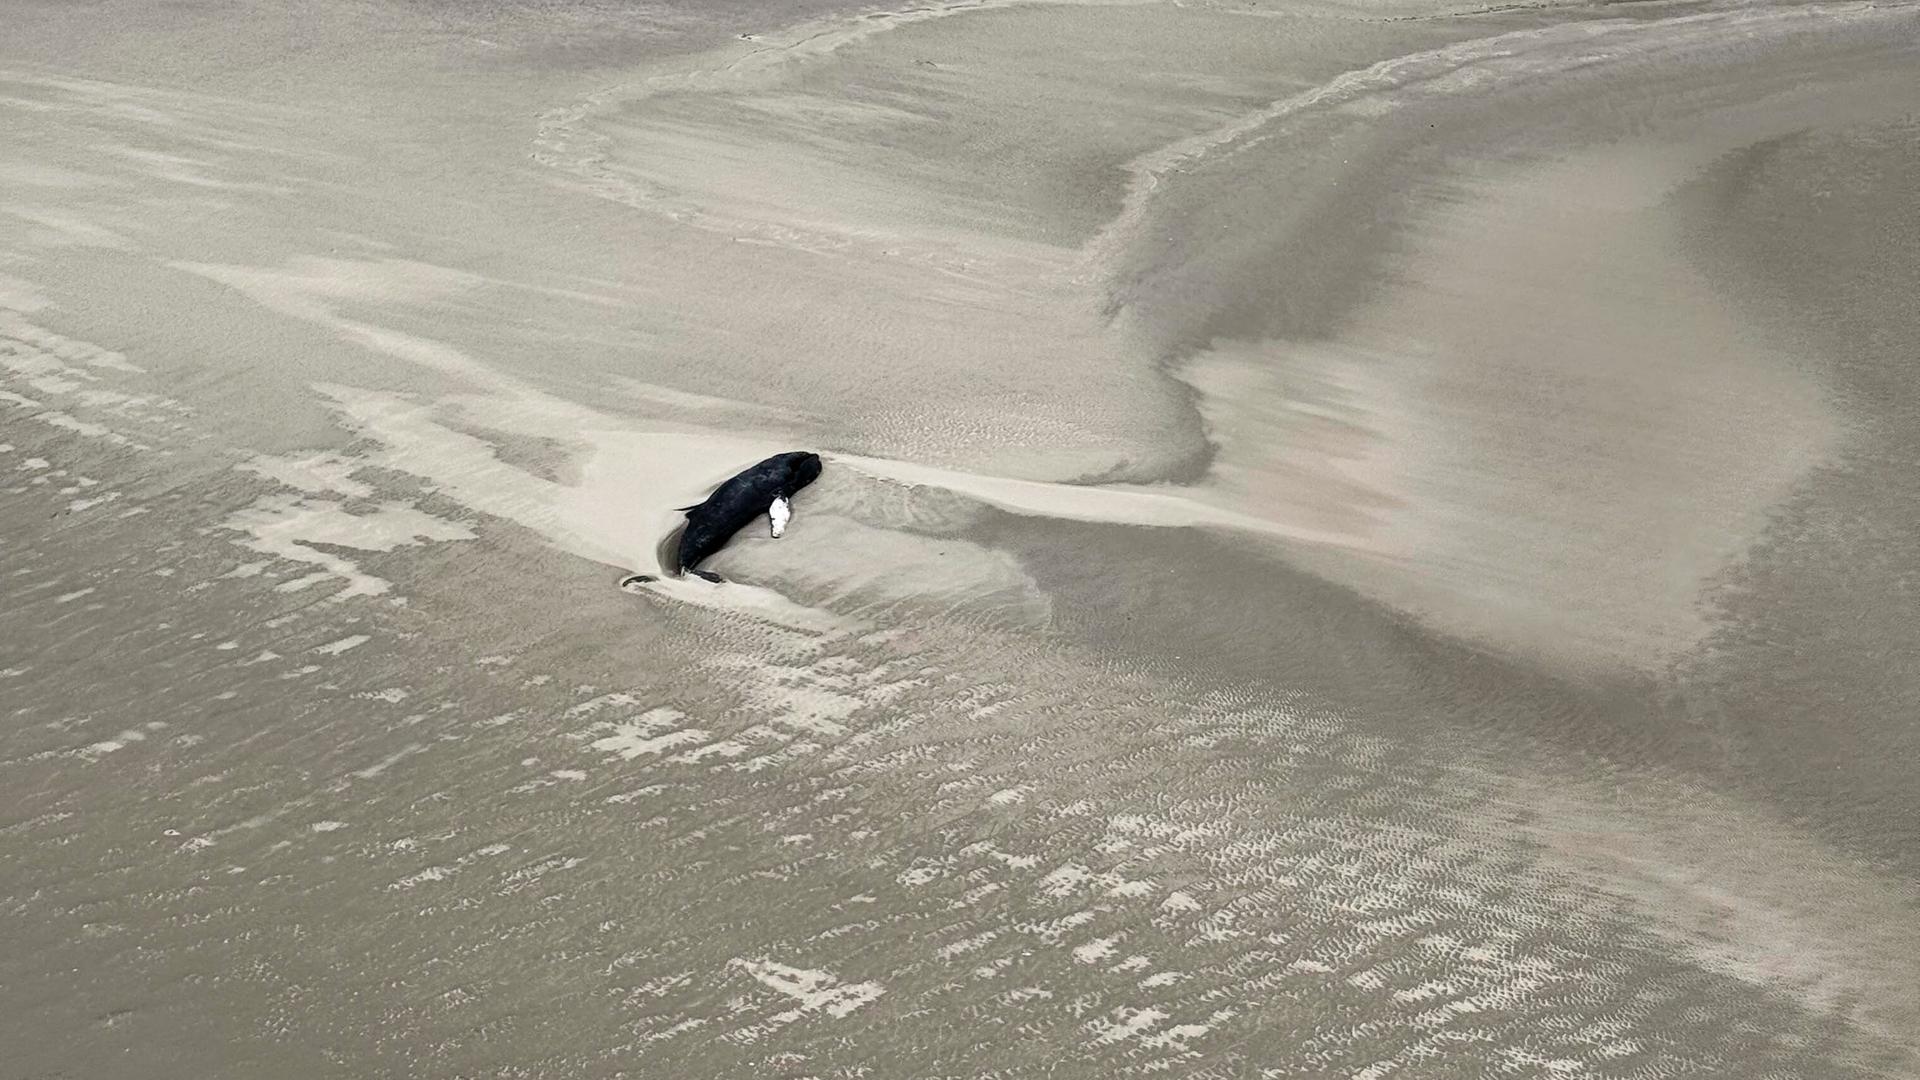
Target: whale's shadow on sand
{"x": 667, "y": 553}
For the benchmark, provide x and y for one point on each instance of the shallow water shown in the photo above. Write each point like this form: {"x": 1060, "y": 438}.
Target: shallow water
{"x": 1352, "y": 545}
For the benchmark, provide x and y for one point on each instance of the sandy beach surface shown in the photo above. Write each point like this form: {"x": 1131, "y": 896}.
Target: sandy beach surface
{"x": 1358, "y": 539}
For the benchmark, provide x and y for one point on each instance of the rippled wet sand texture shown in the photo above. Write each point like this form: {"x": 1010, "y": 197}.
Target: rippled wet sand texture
{"x": 1358, "y": 540}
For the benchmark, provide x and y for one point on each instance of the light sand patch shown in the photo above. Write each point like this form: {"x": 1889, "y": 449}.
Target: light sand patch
{"x": 19, "y": 295}
{"x": 1550, "y": 438}
{"x": 1125, "y": 1023}
{"x": 46, "y": 346}
{"x": 286, "y": 525}
{"x": 95, "y": 751}
{"x": 317, "y": 473}
{"x": 62, "y": 367}
{"x": 335, "y": 648}
{"x": 813, "y": 991}
{"x": 79, "y": 505}
{"x": 850, "y": 566}
{"x": 654, "y": 732}
{"x": 389, "y": 761}
{"x": 799, "y": 697}
{"x": 311, "y": 287}
{"x": 56, "y": 228}
{"x": 1120, "y": 504}
{"x": 392, "y": 695}
{"x": 441, "y": 873}
{"x": 1096, "y": 950}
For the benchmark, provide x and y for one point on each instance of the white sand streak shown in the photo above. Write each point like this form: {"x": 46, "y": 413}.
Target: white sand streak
{"x": 816, "y": 991}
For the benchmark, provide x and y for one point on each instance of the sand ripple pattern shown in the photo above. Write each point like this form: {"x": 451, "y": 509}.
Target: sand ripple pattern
{"x": 325, "y": 756}
{"x": 784, "y": 855}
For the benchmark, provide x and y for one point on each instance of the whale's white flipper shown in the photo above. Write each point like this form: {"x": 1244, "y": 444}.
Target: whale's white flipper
{"x": 779, "y": 514}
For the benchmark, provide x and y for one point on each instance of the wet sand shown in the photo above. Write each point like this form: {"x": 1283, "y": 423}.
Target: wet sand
{"x": 1357, "y": 541}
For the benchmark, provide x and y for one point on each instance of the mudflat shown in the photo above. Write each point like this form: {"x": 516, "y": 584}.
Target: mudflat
{"x": 1356, "y": 540}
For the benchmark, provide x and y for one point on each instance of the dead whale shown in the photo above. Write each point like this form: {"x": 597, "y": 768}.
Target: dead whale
{"x": 766, "y": 487}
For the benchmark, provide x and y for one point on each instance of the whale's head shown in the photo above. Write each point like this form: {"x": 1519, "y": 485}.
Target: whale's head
{"x": 803, "y": 468}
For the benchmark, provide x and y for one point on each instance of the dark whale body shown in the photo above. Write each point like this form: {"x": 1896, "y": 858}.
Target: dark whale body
{"x": 737, "y": 503}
